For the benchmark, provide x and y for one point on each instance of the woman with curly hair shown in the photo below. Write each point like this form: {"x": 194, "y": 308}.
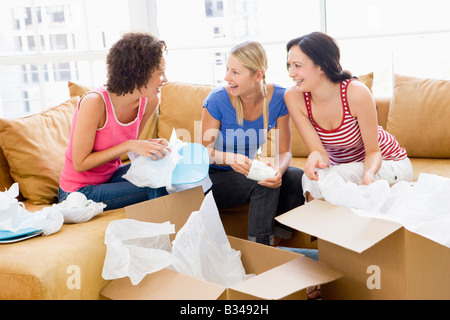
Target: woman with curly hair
{"x": 108, "y": 120}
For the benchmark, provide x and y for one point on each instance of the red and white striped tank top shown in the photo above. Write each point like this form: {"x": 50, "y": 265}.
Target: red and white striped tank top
{"x": 344, "y": 144}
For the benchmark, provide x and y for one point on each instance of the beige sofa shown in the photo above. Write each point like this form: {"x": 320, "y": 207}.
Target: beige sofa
{"x": 68, "y": 264}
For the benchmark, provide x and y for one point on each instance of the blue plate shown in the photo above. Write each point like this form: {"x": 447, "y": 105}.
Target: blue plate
{"x": 194, "y": 165}
{"x": 7, "y": 236}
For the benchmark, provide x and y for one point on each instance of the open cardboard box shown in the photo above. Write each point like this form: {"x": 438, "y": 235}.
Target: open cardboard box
{"x": 280, "y": 274}
{"x": 380, "y": 259}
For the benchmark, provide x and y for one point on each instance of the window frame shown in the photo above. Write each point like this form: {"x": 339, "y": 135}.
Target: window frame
{"x": 144, "y": 16}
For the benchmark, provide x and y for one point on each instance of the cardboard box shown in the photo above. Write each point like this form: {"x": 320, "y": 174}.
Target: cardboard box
{"x": 280, "y": 274}
{"x": 380, "y": 259}
{"x": 235, "y": 223}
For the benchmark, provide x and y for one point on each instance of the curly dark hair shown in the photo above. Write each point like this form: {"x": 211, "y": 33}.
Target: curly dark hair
{"x": 132, "y": 60}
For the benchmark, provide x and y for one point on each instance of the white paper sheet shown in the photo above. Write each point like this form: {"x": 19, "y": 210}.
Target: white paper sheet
{"x": 422, "y": 207}
{"x": 201, "y": 249}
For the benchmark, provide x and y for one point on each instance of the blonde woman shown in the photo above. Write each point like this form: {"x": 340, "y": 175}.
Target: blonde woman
{"x": 235, "y": 122}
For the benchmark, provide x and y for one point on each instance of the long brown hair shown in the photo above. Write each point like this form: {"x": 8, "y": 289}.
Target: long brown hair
{"x": 324, "y": 51}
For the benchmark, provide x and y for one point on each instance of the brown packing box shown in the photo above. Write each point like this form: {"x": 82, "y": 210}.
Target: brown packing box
{"x": 380, "y": 259}
{"x": 280, "y": 274}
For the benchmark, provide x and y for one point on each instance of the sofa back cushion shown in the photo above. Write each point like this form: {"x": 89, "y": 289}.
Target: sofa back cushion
{"x": 34, "y": 147}
{"x": 5, "y": 177}
{"x": 181, "y": 108}
{"x": 418, "y": 116}
{"x": 78, "y": 90}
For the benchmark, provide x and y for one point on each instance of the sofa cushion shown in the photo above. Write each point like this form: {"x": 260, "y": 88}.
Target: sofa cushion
{"x": 34, "y": 147}
{"x": 78, "y": 90}
{"x": 367, "y": 79}
{"x": 416, "y": 116}
{"x": 5, "y": 177}
{"x": 65, "y": 265}
{"x": 181, "y": 108}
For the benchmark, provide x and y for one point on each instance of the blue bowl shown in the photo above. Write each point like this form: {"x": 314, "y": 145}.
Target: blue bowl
{"x": 194, "y": 165}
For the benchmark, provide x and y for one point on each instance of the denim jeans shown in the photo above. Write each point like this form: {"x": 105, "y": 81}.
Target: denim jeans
{"x": 231, "y": 189}
{"x": 118, "y": 192}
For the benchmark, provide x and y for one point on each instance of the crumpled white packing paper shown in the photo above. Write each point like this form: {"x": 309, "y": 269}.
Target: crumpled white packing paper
{"x": 200, "y": 249}
{"x": 81, "y": 210}
{"x": 135, "y": 249}
{"x": 14, "y": 217}
{"x": 422, "y": 207}
{"x": 146, "y": 172}
{"x": 203, "y": 251}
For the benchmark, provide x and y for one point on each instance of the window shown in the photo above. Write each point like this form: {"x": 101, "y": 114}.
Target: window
{"x": 198, "y": 49}
{"x": 45, "y": 43}
{"x": 410, "y": 37}
{"x": 214, "y": 8}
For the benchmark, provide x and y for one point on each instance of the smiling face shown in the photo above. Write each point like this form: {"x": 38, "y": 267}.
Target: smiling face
{"x": 156, "y": 81}
{"x": 241, "y": 80}
{"x": 302, "y": 69}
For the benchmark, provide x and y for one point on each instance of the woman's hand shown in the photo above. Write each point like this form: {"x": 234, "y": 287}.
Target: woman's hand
{"x": 314, "y": 161}
{"x": 368, "y": 178}
{"x": 153, "y": 148}
{"x": 240, "y": 163}
{"x": 272, "y": 182}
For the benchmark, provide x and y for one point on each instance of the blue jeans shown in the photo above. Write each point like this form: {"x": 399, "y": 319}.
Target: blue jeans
{"x": 118, "y": 192}
{"x": 232, "y": 189}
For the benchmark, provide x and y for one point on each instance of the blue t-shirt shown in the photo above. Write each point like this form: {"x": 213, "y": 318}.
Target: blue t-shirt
{"x": 245, "y": 139}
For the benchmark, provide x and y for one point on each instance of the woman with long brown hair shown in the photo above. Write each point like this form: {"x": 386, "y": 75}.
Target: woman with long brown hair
{"x": 336, "y": 117}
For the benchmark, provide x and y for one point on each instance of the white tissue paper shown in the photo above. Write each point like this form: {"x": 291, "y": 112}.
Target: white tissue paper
{"x": 135, "y": 249}
{"x": 203, "y": 251}
{"x": 49, "y": 220}
{"x": 78, "y": 209}
{"x": 348, "y": 194}
{"x": 200, "y": 249}
{"x": 146, "y": 172}
{"x": 9, "y": 207}
{"x": 15, "y": 218}
{"x": 260, "y": 171}
{"x": 422, "y": 207}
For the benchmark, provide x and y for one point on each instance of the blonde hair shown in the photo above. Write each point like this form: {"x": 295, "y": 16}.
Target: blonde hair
{"x": 253, "y": 56}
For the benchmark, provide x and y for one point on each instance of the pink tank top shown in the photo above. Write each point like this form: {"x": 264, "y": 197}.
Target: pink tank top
{"x": 344, "y": 144}
{"x": 111, "y": 134}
